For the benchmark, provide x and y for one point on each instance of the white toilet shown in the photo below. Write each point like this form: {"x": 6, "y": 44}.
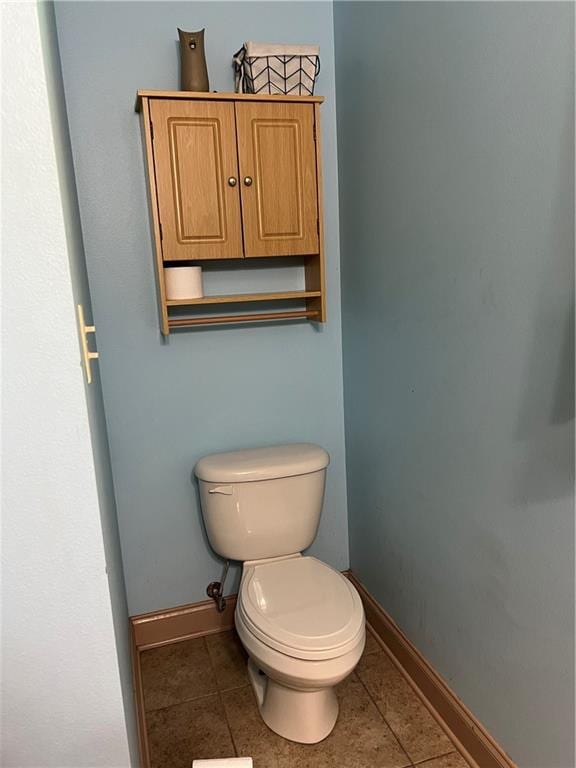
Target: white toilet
{"x": 301, "y": 621}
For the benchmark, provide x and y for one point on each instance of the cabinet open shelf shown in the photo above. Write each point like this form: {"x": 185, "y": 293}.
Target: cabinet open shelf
{"x": 241, "y": 298}
{"x": 245, "y": 298}
{"x": 188, "y": 322}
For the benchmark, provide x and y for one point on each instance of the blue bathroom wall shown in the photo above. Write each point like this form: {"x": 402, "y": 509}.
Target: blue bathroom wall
{"x": 167, "y": 404}
{"x": 456, "y": 155}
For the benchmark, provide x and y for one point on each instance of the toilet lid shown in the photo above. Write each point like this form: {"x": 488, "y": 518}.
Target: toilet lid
{"x": 301, "y": 607}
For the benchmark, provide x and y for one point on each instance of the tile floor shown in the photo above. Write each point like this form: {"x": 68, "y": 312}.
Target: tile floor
{"x": 199, "y": 704}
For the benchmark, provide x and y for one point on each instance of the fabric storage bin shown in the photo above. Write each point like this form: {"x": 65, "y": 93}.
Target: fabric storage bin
{"x": 272, "y": 68}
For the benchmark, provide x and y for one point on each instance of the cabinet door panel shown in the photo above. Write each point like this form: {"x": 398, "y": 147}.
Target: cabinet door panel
{"x": 194, "y": 156}
{"x": 277, "y": 151}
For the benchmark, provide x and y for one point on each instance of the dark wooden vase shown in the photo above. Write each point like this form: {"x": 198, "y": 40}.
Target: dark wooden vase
{"x": 193, "y": 71}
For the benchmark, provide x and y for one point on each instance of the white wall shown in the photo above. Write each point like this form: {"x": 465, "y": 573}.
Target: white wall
{"x": 62, "y": 698}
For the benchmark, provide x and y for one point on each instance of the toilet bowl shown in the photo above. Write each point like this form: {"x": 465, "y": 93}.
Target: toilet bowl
{"x": 301, "y": 621}
{"x": 302, "y": 625}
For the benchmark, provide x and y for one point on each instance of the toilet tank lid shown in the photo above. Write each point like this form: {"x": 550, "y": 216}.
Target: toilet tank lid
{"x": 262, "y": 463}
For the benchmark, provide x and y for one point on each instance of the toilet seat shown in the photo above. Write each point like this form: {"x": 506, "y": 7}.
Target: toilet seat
{"x": 301, "y": 607}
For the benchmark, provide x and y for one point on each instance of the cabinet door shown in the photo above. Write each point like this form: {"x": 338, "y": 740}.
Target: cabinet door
{"x": 277, "y": 154}
{"x": 195, "y": 156}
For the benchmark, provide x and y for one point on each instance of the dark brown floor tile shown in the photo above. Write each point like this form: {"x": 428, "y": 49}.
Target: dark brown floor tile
{"x": 229, "y": 660}
{"x": 361, "y": 739}
{"x": 453, "y": 760}
{"x": 176, "y": 673}
{"x": 416, "y": 729}
{"x": 372, "y": 645}
{"x": 194, "y": 730}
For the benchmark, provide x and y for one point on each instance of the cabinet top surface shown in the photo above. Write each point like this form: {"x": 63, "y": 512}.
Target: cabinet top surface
{"x": 223, "y": 96}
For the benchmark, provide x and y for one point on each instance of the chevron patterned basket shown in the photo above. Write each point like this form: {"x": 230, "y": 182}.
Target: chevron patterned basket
{"x": 270, "y": 68}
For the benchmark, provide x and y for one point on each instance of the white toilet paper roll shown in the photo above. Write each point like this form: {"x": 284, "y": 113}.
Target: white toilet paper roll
{"x": 183, "y": 282}
{"x": 226, "y": 762}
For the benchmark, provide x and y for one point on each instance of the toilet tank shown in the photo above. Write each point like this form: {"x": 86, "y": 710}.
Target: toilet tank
{"x": 263, "y": 502}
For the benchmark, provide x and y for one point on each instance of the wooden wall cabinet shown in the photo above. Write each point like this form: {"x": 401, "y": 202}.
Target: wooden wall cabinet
{"x": 235, "y": 176}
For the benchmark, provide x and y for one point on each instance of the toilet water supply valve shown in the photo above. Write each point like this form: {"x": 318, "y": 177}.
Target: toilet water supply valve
{"x": 215, "y": 589}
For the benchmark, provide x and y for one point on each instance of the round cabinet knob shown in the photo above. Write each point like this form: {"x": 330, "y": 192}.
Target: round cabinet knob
{"x": 232, "y": 181}
{"x": 248, "y": 181}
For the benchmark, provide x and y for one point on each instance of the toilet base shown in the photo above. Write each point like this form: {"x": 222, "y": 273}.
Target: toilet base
{"x": 303, "y": 716}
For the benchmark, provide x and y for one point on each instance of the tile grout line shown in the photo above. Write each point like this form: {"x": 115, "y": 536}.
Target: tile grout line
{"x": 228, "y": 724}
{"x": 184, "y": 701}
{"x": 392, "y": 731}
{"x": 215, "y": 692}
{"x": 383, "y": 648}
{"x": 424, "y": 700}
{"x": 220, "y": 699}
{"x": 413, "y": 763}
{"x": 438, "y": 757}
